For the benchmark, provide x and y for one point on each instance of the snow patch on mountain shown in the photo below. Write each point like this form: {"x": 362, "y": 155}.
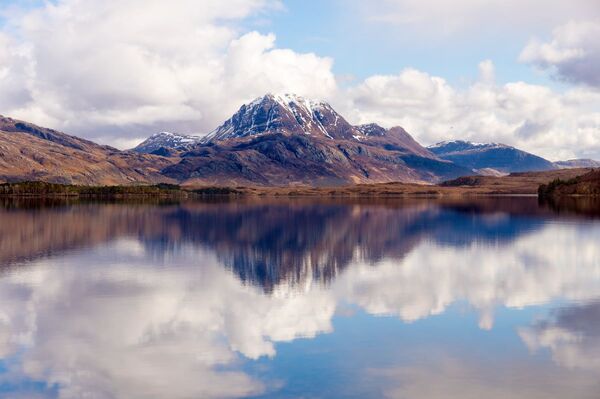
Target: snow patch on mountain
{"x": 371, "y": 129}
{"x": 462, "y": 145}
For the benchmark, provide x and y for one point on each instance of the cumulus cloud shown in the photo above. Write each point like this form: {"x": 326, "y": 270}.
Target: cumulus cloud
{"x": 532, "y": 117}
{"x": 573, "y": 54}
{"x": 117, "y": 71}
{"x": 129, "y": 67}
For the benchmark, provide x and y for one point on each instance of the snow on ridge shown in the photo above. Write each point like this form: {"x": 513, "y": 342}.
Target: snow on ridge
{"x": 167, "y": 140}
{"x": 172, "y": 138}
{"x": 174, "y": 135}
{"x": 309, "y": 104}
{"x": 468, "y": 143}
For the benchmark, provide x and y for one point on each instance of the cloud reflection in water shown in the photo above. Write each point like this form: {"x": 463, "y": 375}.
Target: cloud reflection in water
{"x": 154, "y": 302}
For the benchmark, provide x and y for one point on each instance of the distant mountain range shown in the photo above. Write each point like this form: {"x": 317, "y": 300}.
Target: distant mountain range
{"x": 274, "y": 140}
{"x": 495, "y": 158}
{"x": 577, "y": 163}
{"x": 490, "y": 157}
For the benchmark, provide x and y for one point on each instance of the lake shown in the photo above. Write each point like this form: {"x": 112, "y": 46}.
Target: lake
{"x": 484, "y": 298}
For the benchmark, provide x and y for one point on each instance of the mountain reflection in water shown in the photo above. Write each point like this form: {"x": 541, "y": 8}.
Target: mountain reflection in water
{"x": 202, "y": 300}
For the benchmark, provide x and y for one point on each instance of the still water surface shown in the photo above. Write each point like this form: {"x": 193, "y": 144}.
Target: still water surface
{"x": 495, "y": 298}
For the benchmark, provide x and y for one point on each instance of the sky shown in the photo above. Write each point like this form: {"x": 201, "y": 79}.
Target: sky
{"x": 525, "y": 73}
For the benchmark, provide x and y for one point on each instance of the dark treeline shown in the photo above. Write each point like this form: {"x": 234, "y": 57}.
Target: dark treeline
{"x": 42, "y": 189}
{"x": 550, "y": 189}
{"x": 584, "y": 185}
{"x": 161, "y": 190}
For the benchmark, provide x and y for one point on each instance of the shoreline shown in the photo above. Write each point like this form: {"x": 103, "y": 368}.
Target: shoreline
{"x": 517, "y": 184}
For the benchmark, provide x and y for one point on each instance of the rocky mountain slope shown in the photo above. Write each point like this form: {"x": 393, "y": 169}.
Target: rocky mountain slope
{"x": 286, "y": 139}
{"x": 30, "y": 152}
{"x": 490, "y": 157}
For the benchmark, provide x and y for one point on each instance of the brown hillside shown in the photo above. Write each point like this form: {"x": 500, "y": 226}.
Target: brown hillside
{"x": 29, "y": 152}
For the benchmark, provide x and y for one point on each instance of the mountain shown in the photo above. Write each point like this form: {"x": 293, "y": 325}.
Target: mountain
{"x": 290, "y": 140}
{"x": 164, "y": 142}
{"x": 285, "y": 113}
{"x": 490, "y": 156}
{"x": 30, "y": 152}
{"x": 577, "y": 163}
{"x": 292, "y": 114}
{"x": 275, "y": 140}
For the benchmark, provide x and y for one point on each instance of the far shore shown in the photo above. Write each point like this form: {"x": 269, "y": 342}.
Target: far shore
{"x": 522, "y": 184}
{"x": 526, "y": 183}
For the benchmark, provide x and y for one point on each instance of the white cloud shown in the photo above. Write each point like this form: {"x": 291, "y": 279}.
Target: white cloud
{"x": 253, "y": 65}
{"x": 573, "y": 54}
{"x": 108, "y": 331}
{"x": 117, "y": 71}
{"x": 525, "y": 272}
{"x": 113, "y": 321}
{"x": 134, "y": 66}
{"x": 532, "y": 117}
{"x": 572, "y": 336}
{"x": 487, "y": 72}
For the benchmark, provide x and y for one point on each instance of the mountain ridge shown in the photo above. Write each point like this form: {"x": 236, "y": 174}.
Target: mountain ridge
{"x": 287, "y": 139}
{"x": 274, "y": 140}
{"x": 492, "y": 156}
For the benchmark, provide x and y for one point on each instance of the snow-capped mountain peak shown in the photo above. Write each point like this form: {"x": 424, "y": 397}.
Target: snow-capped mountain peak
{"x": 284, "y": 113}
{"x": 293, "y": 100}
{"x": 167, "y": 140}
